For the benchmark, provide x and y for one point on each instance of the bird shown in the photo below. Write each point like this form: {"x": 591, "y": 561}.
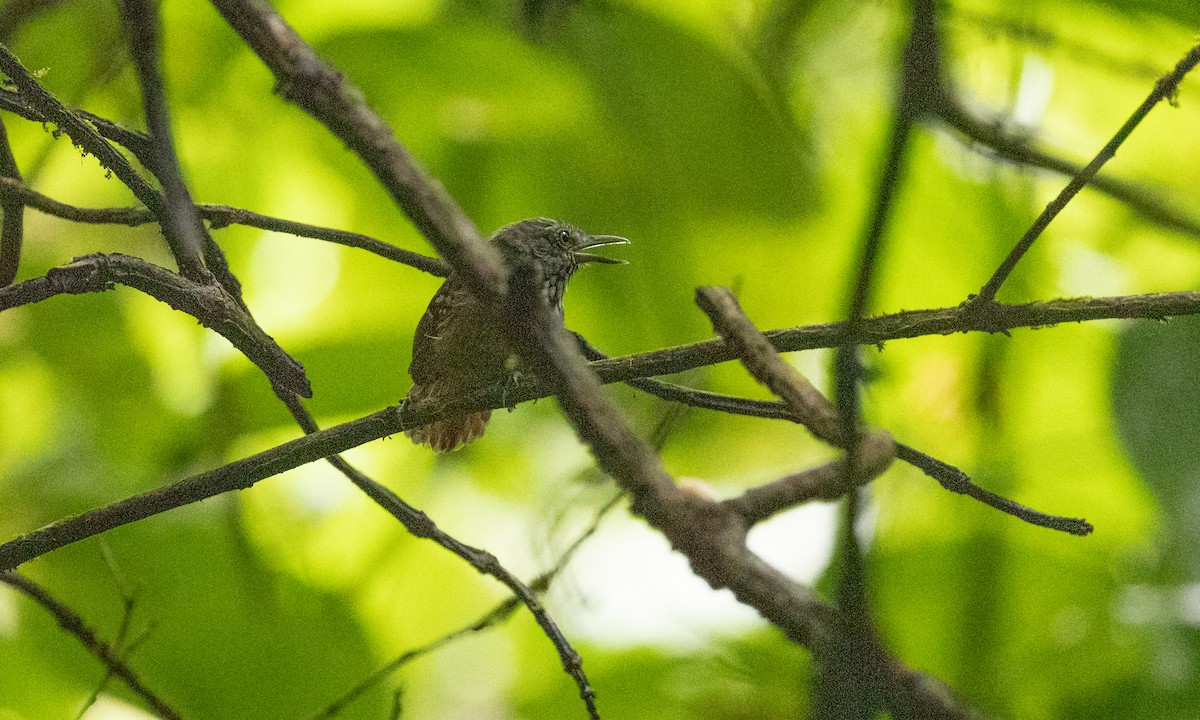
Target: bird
{"x": 459, "y": 344}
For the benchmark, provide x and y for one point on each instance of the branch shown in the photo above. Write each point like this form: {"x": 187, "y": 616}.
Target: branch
{"x": 1017, "y": 149}
{"x": 48, "y": 109}
{"x": 72, "y": 623}
{"x": 878, "y": 330}
{"x": 207, "y": 302}
{"x": 710, "y": 534}
{"x": 498, "y": 614}
{"x": 180, "y": 223}
{"x": 303, "y": 78}
{"x": 1165, "y": 89}
{"x": 220, "y": 216}
{"x": 825, "y": 482}
{"x": 394, "y": 420}
{"x": 807, "y": 405}
{"x": 421, "y": 525}
{"x": 12, "y": 210}
{"x": 948, "y": 476}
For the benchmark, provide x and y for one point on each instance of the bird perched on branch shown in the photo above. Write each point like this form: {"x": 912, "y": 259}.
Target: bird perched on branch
{"x": 460, "y": 345}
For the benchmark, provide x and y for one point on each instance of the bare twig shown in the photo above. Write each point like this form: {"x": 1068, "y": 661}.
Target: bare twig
{"x": 421, "y": 525}
{"x": 72, "y": 623}
{"x": 220, "y": 216}
{"x": 207, "y": 302}
{"x": 947, "y": 475}
{"x": 498, "y": 614}
{"x": 1164, "y": 89}
{"x": 83, "y": 135}
{"x": 390, "y": 421}
{"x": 305, "y": 79}
{"x": 12, "y": 213}
{"x": 957, "y": 481}
{"x": 180, "y": 222}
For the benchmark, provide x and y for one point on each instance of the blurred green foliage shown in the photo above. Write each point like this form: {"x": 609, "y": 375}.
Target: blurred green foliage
{"x": 736, "y": 143}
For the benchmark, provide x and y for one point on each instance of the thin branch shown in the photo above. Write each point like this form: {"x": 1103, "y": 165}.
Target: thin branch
{"x": 72, "y": 623}
{"x": 957, "y": 481}
{"x": 1017, "y": 149}
{"x": 209, "y": 303}
{"x": 948, "y": 476}
{"x": 221, "y": 216}
{"x": 421, "y": 525}
{"x": 498, "y": 614}
{"x": 12, "y": 210}
{"x": 180, "y": 222}
{"x": 394, "y": 420}
{"x": 303, "y": 78}
{"x": 48, "y": 109}
{"x": 1164, "y": 89}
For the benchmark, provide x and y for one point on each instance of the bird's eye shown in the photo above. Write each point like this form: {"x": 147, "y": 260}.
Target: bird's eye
{"x": 564, "y": 237}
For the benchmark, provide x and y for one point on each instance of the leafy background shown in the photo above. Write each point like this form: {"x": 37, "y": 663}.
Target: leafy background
{"x": 736, "y": 143}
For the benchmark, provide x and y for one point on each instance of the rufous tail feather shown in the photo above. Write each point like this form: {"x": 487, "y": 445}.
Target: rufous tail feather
{"x": 448, "y": 433}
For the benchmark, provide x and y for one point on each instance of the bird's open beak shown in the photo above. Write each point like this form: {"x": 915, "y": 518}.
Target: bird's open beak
{"x": 595, "y": 241}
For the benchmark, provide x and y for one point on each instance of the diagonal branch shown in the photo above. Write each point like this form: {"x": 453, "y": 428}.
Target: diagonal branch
{"x": 220, "y": 216}
{"x": 303, "y": 78}
{"x": 180, "y": 223}
{"x": 418, "y": 524}
{"x": 105, "y": 653}
{"x": 12, "y": 213}
{"x": 1164, "y": 89}
{"x": 393, "y": 420}
{"x": 207, "y": 302}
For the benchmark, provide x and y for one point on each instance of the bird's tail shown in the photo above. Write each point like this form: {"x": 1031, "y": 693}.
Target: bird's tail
{"x": 448, "y": 433}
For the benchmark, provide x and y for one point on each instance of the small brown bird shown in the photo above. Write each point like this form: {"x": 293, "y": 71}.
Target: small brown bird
{"x": 459, "y": 344}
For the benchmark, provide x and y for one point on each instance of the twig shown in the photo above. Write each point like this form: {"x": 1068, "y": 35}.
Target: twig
{"x": 180, "y": 223}
{"x": 948, "y": 476}
{"x": 1164, "y": 89}
{"x": 220, "y": 216}
{"x": 303, "y": 78}
{"x": 421, "y": 525}
{"x": 208, "y": 303}
{"x": 72, "y": 623}
{"x": 390, "y": 421}
{"x": 83, "y": 135}
{"x": 957, "y": 481}
{"x": 129, "y": 601}
{"x": 492, "y": 618}
{"x": 1017, "y": 149}
{"x": 12, "y": 210}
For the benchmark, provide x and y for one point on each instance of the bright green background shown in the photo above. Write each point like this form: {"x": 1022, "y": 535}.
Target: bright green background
{"x": 685, "y": 126}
